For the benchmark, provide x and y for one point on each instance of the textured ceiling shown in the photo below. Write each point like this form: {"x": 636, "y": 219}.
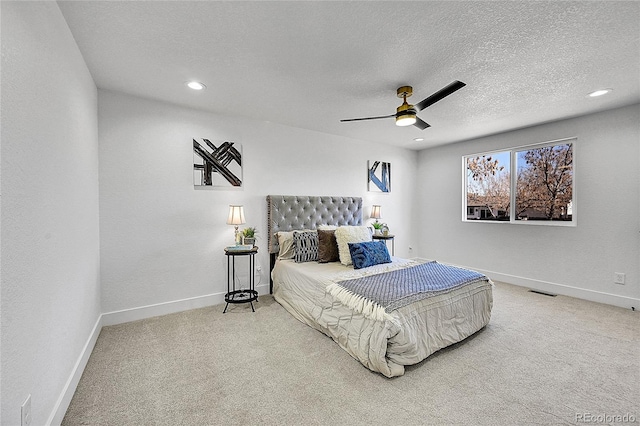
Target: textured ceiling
{"x": 309, "y": 64}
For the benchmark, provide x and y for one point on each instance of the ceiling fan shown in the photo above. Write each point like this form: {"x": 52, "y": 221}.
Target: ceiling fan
{"x": 406, "y": 114}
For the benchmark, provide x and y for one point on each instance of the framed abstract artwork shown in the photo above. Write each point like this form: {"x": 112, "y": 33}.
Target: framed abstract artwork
{"x": 379, "y": 176}
{"x": 217, "y": 165}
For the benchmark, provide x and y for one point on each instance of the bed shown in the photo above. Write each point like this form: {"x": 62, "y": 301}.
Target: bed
{"x": 382, "y": 334}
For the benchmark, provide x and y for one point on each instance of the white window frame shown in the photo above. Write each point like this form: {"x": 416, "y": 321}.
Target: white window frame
{"x": 513, "y": 185}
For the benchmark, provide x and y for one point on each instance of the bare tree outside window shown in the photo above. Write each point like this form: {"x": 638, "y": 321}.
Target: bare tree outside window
{"x": 488, "y": 186}
{"x": 545, "y": 183}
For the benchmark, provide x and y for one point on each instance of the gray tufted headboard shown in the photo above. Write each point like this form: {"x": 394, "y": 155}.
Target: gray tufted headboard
{"x": 291, "y": 212}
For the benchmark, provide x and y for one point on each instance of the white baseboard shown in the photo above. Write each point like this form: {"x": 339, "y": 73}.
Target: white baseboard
{"x": 143, "y": 312}
{"x": 62, "y": 404}
{"x": 555, "y": 288}
{"x": 565, "y": 290}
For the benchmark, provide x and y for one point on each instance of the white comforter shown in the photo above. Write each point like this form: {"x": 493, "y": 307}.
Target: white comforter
{"x": 408, "y": 336}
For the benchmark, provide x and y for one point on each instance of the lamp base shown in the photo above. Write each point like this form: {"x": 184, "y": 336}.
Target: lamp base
{"x": 237, "y": 236}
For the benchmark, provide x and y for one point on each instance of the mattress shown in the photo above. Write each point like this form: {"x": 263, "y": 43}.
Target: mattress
{"x": 406, "y": 336}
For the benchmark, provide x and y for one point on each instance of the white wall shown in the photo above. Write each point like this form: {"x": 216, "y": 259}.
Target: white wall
{"x": 162, "y": 240}
{"x": 50, "y": 245}
{"x": 578, "y": 261}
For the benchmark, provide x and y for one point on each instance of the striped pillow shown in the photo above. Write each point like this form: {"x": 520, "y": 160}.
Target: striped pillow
{"x": 305, "y": 246}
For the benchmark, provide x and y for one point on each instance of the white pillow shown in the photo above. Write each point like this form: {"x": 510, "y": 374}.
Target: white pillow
{"x": 350, "y": 234}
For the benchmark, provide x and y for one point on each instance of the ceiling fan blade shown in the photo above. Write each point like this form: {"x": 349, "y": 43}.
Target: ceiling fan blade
{"x": 368, "y": 118}
{"x": 421, "y": 124}
{"x": 440, "y": 94}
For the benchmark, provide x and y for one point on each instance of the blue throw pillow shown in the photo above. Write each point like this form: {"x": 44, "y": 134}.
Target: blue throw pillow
{"x": 368, "y": 254}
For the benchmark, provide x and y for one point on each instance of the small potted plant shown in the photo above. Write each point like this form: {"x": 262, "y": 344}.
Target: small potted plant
{"x": 249, "y": 236}
{"x": 377, "y": 227}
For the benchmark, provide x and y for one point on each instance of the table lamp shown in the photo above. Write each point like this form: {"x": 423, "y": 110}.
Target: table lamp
{"x": 375, "y": 212}
{"x": 236, "y": 217}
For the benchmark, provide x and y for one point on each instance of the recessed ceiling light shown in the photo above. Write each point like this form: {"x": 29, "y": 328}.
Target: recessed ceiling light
{"x": 195, "y": 85}
{"x": 599, "y": 92}
{"x": 418, "y": 139}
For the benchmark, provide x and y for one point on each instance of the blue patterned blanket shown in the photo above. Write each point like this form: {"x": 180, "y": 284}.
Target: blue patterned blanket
{"x": 395, "y": 289}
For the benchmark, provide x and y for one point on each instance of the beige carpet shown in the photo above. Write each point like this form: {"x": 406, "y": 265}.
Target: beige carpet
{"x": 541, "y": 360}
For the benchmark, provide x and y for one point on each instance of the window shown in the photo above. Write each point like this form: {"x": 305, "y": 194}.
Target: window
{"x": 488, "y": 186}
{"x": 544, "y": 187}
{"x": 540, "y": 191}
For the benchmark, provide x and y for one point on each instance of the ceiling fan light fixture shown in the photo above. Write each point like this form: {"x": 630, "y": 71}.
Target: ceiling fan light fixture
{"x": 405, "y": 114}
{"x": 407, "y": 119}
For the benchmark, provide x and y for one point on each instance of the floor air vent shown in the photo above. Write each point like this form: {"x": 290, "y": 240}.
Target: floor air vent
{"x": 544, "y": 293}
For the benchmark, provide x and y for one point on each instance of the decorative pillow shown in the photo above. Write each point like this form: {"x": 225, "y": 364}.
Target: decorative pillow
{"x": 327, "y": 246}
{"x": 305, "y": 246}
{"x": 350, "y": 234}
{"x": 285, "y": 243}
{"x": 369, "y": 254}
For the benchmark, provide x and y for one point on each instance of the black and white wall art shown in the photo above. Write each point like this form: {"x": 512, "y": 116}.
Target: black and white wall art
{"x": 379, "y": 176}
{"x": 217, "y": 165}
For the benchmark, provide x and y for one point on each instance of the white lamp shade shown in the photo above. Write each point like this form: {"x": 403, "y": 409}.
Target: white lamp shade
{"x": 236, "y": 215}
{"x": 375, "y": 212}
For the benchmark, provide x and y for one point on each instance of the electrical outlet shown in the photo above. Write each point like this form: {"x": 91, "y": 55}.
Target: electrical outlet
{"x": 25, "y": 412}
{"x": 618, "y": 277}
